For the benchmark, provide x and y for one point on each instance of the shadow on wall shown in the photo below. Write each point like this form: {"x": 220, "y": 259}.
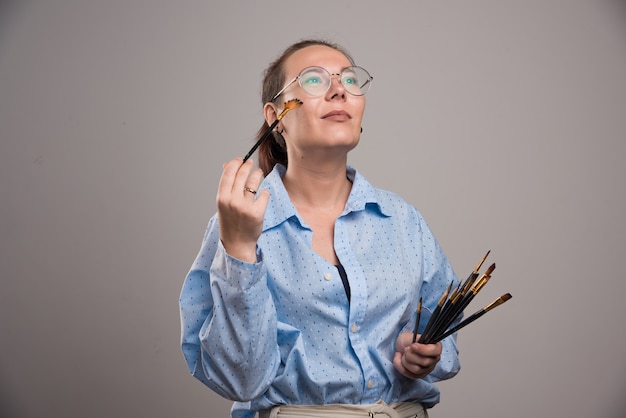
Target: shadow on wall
{"x": 619, "y": 408}
{"x": 619, "y": 7}
{"x": 8, "y": 8}
{"x": 8, "y": 407}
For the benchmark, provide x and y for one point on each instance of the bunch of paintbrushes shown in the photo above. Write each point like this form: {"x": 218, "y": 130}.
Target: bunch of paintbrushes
{"x": 452, "y": 304}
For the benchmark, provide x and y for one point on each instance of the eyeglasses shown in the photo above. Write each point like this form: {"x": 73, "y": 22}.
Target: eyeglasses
{"x": 316, "y": 81}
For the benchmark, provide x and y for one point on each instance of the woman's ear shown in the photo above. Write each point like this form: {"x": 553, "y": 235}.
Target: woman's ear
{"x": 270, "y": 112}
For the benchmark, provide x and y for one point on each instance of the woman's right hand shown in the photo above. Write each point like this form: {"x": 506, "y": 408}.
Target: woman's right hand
{"x": 241, "y": 212}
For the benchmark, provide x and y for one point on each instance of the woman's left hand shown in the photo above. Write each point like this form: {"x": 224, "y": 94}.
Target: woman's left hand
{"x": 415, "y": 360}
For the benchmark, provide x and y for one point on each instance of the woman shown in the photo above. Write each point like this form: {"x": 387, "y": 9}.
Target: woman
{"x": 305, "y": 288}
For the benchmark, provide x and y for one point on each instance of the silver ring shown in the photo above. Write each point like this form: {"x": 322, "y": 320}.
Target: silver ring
{"x": 247, "y": 189}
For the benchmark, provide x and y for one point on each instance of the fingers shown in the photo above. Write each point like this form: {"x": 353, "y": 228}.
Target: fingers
{"x": 241, "y": 176}
{"x": 416, "y": 361}
{"x": 241, "y": 208}
{"x": 238, "y": 181}
{"x": 398, "y": 364}
{"x": 253, "y": 182}
{"x": 235, "y": 175}
{"x": 421, "y": 358}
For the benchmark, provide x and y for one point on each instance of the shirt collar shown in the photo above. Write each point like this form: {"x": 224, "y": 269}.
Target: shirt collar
{"x": 280, "y": 208}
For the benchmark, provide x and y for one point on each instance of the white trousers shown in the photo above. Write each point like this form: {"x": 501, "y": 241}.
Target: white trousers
{"x": 377, "y": 410}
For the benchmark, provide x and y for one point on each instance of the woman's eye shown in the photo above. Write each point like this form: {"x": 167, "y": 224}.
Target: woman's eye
{"x": 313, "y": 80}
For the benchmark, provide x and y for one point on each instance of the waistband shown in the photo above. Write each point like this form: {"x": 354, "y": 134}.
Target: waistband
{"x": 377, "y": 410}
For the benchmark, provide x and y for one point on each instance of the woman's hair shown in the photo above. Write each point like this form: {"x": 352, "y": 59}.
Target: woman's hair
{"x": 273, "y": 150}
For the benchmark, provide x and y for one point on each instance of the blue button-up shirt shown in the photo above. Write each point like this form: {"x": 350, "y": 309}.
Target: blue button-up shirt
{"x": 281, "y": 331}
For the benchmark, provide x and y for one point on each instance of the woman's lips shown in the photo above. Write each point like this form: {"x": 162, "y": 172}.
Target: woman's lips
{"x": 337, "y": 115}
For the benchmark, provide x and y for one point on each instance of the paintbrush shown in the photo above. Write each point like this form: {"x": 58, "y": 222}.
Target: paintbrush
{"x": 434, "y": 317}
{"x": 417, "y": 320}
{"x": 289, "y": 105}
{"x": 474, "y": 317}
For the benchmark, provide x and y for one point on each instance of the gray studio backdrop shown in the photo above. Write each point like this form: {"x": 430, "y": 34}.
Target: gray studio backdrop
{"x": 502, "y": 121}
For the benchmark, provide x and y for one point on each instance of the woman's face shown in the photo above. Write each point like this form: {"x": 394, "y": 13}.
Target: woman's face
{"x": 328, "y": 122}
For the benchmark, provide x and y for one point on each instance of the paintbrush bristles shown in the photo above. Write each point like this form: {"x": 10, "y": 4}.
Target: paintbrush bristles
{"x": 480, "y": 263}
{"x": 490, "y": 269}
{"x": 289, "y": 105}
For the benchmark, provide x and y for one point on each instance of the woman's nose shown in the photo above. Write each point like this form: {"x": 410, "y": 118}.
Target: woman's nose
{"x": 336, "y": 87}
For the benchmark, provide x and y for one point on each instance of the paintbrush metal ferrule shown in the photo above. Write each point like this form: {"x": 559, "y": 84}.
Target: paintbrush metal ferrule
{"x": 468, "y": 285}
{"x": 497, "y": 302}
{"x": 455, "y": 293}
{"x": 444, "y": 297}
{"x": 480, "y": 283}
{"x": 456, "y": 298}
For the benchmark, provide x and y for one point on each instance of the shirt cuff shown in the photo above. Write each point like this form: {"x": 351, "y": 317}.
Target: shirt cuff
{"x": 235, "y": 272}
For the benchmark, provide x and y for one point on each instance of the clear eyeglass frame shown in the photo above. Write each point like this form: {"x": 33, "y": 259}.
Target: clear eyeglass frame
{"x": 316, "y": 81}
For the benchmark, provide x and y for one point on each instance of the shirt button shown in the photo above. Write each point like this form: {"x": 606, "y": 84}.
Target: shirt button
{"x": 354, "y": 328}
{"x": 328, "y": 276}
{"x": 370, "y": 384}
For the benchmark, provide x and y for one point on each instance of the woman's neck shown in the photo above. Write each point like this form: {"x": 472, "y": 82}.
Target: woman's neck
{"x": 322, "y": 186}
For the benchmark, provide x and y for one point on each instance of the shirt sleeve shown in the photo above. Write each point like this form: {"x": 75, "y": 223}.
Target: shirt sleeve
{"x": 228, "y": 322}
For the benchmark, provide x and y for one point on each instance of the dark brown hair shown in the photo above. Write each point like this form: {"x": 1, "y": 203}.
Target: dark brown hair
{"x": 273, "y": 150}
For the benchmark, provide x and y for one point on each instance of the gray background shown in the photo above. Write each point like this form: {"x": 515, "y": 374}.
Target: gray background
{"x": 502, "y": 121}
